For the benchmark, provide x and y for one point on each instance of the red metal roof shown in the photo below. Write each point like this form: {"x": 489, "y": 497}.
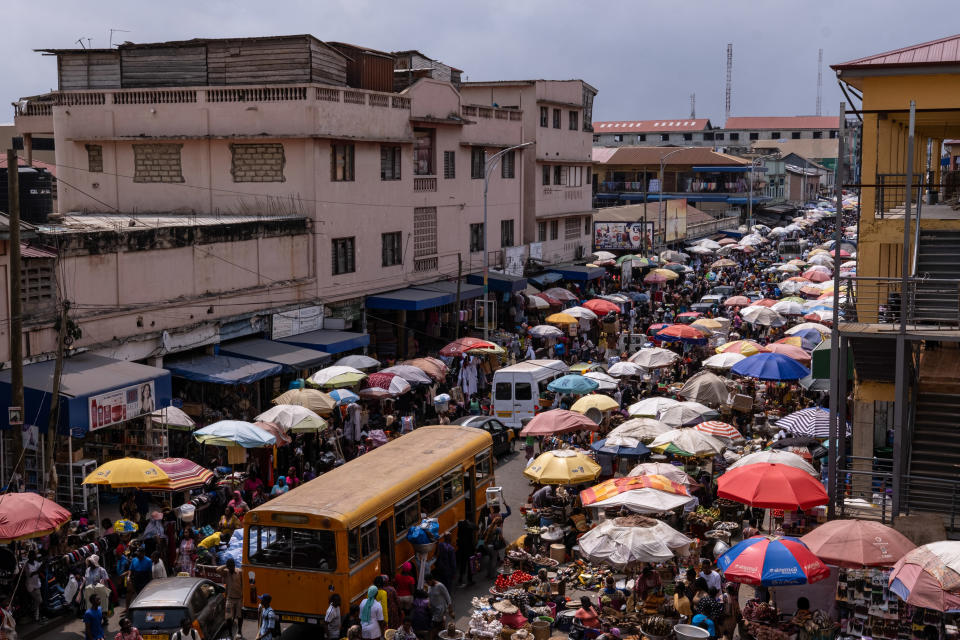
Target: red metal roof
{"x": 650, "y": 156}
{"x": 942, "y": 51}
{"x": 650, "y": 126}
{"x": 783, "y": 122}
{"x": 52, "y": 168}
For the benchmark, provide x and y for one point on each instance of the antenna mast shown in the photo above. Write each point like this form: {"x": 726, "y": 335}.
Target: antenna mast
{"x": 693, "y": 106}
{"x": 726, "y": 105}
{"x": 819, "y": 80}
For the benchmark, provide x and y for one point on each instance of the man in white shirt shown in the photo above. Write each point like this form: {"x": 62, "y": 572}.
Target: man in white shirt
{"x": 31, "y": 574}
{"x": 712, "y": 577}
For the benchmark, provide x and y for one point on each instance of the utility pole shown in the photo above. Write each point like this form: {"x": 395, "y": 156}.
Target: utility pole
{"x": 456, "y": 309}
{"x": 16, "y": 311}
{"x": 53, "y": 423}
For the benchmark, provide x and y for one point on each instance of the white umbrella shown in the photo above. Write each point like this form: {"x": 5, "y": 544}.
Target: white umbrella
{"x": 792, "y": 287}
{"x": 604, "y": 255}
{"x": 634, "y": 431}
{"x": 329, "y": 375}
{"x": 545, "y": 331}
{"x": 764, "y": 316}
{"x": 606, "y": 382}
{"x": 665, "y": 469}
{"x": 778, "y": 231}
{"x": 706, "y": 387}
{"x": 713, "y": 245}
{"x": 689, "y": 441}
{"x": 654, "y": 358}
{"x": 651, "y": 407}
{"x": 537, "y": 302}
{"x": 686, "y": 413}
{"x": 751, "y": 240}
{"x": 173, "y": 417}
{"x": 775, "y": 456}
{"x": 849, "y": 264}
{"x": 559, "y": 293}
{"x": 358, "y": 362}
{"x": 823, "y": 329}
{"x": 580, "y": 313}
{"x": 700, "y": 249}
{"x": 788, "y": 268}
{"x": 723, "y": 360}
{"x": 625, "y": 368}
{"x": 646, "y": 500}
{"x": 293, "y": 417}
{"x": 788, "y": 308}
{"x": 626, "y": 542}
{"x": 411, "y": 374}
{"x": 822, "y": 260}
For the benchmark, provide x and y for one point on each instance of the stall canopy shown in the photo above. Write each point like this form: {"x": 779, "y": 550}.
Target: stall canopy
{"x": 502, "y": 282}
{"x": 134, "y": 389}
{"x": 290, "y": 356}
{"x": 221, "y": 369}
{"x": 468, "y": 290}
{"x": 424, "y": 296}
{"x": 329, "y": 340}
{"x": 579, "y": 272}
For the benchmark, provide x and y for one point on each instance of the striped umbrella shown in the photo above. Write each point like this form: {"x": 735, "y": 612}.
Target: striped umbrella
{"x": 719, "y": 429}
{"x": 771, "y": 561}
{"x": 183, "y": 473}
{"x": 813, "y": 422}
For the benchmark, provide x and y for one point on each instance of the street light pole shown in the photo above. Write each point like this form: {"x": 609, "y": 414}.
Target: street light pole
{"x": 489, "y": 164}
{"x": 660, "y": 208}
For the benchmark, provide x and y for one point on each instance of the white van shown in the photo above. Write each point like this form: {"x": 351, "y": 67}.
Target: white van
{"x": 517, "y": 389}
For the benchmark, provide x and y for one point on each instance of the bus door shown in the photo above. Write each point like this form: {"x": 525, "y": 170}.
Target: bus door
{"x": 503, "y": 397}
{"x": 387, "y": 547}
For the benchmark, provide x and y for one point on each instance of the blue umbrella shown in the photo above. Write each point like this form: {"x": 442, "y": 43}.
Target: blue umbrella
{"x": 344, "y": 396}
{"x": 600, "y": 446}
{"x": 228, "y": 433}
{"x": 809, "y": 336}
{"x": 770, "y": 366}
{"x": 772, "y": 561}
{"x": 636, "y": 296}
{"x": 572, "y": 383}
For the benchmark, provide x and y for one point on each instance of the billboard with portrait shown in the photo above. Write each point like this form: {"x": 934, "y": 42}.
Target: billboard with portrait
{"x": 630, "y": 236}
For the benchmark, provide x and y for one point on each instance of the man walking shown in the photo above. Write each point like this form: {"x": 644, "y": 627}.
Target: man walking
{"x": 233, "y": 613}
{"x": 93, "y": 620}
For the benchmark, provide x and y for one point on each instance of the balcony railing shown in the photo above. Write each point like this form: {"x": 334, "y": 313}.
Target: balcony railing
{"x": 932, "y": 304}
{"x": 425, "y": 183}
{"x": 640, "y": 187}
{"x": 480, "y": 111}
{"x": 421, "y": 265}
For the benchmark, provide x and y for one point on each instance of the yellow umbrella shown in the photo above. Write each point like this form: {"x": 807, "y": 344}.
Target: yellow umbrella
{"x": 313, "y": 399}
{"x": 707, "y": 323}
{"x": 562, "y": 466}
{"x": 561, "y": 318}
{"x": 596, "y": 401}
{"x": 666, "y": 273}
{"x": 127, "y": 472}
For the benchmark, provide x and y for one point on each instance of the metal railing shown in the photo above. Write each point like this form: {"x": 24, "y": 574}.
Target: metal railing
{"x": 931, "y": 303}
{"x": 628, "y": 186}
{"x": 891, "y": 194}
{"x": 867, "y": 493}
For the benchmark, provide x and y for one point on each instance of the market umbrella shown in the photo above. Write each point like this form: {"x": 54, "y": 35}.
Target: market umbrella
{"x": 689, "y": 315}
{"x": 788, "y": 308}
{"x": 636, "y": 431}
{"x": 686, "y": 413}
{"x": 723, "y": 361}
{"x": 231, "y": 433}
{"x": 771, "y": 561}
{"x": 713, "y": 245}
{"x": 791, "y": 351}
{"x": 622, "y": 451}
{"x": 666, "y": 273}
{"x": 788, "y": 268}
{"x": 337, "y": 376}
{"x": 29, "y": 515}
{"x": 536, "y": 302}
{"x": 687, "y": 443}
{"x": 665, "y": 469}
{"x": 726, "y": 241}
{"x": 413, "y": 375}
{"x": 615, "y": 486}
{"x": 292, "y": 417}
{"x": 546, "y": 330}
{"x": 673, "y": 256}
{"x": 770, "y": 366}
{"x": 596, "y": 401}
{"x": 792, "y": 444}
{"x": 763, "y": 302}
{"x": 604, "y": 381}
{"x": 654, "y": 358}
{"x": 771, "y": 486}
{"x": 127, "y": 472}
{"x": 182, "y": 473}
{"x": 723, "y": 262}
{"x": 579, "y": 313}
{"x": 470, "y": 345}
{"x": 705, "y": 387}
{"x": 358, "y": 362}
{"x": 646, "y": 501}
{"x": 627, "y": 541}
{"x": 559, "y": 318}
{"x": 562, "y": 466}
{"x": 433, "y": 367}
{"x": 816, "y": 276}
{"x": 857, "y": 543}
{"x": 929, "y": 576}
{"x": 281, "y": 439}
{"x": 601, "y": 307}
{"x": 806, "y": 340}
{"x": 707, "y": 324}
{"x": 657, "y": 276}
{"x": 389, "y": 382}
{"x": 313, "y": 399}
{"x": 604, "y": 255}
{"x": 629, "y": 256}
{"x": 557, "y": 421}
{"x": 821, "y": 260}
{"x": 651, "y": 407}
{"x": 812, "y": 422}
{"x": 775, "y": 456}
{"x": 743, "y": 347}
{"x": 625, "y": 368}
{"x": 572, "y": 383}
{"x": 718, "y": 429}
{"x": 736, "y": 301}
{"x": 173, "y": 418}
{"x": 803, "y": 326}
{"x": 682, "y": 333}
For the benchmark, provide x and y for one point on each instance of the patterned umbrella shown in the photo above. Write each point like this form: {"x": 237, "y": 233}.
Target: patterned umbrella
{"x": 771, "y": 561}
{"x": 344, "y": 396}
{"x": 718, "y": 429}
{"x": 413, "y": 375}
{"x": 669, "y": 471}
{"x": 616, "y": 486}
{"x": 183, "y": 474}
{"x": 389, "y": 382}
{"x": 470, "y": 345}
{"x": 813, "y": 422}
{"x": 929, "y": 576}
{"x": 743, "y": 347}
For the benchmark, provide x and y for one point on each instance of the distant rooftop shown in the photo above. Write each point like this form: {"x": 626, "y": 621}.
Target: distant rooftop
{"x": 783, "y": 122}
{"x": 702, "y": 156}
{"x": 651, "y": 126}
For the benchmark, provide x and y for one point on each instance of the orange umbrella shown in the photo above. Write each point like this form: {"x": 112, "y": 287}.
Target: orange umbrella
{"x": 764, "y": 302}
{"x": 600, "y": 306}
{"x": 796, "y": 341}
{"x": 616, "y": 486}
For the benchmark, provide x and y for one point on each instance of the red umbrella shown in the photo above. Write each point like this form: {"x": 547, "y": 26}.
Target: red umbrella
{"x": 654, "y": 328}
{"x": 821, "y": 317}
{"x": 857, "y": 543}
{"x": 682, "y": 331}
{"x": 816, "y": 276}
{"x": 29, "y": 515}
{"x": 790, "y": 351}
{"x": 689, "y": 314}
{"x": 737, "y": 301}
{"x": 550, "y": 300}
{"x": 764, "y": 302}
{"x": 771, "y": 486}
{"x": 184, "y": 474}
{"x": 464, "y": 345}
{"x": 843, "y": 253}
{"x": 600, "y": 306}
{"x": 557, "y": 421}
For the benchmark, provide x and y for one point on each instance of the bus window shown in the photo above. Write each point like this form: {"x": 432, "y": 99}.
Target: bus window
{"x": 502, "y": 391}
{"x": 482, "y": 465}
{"x": 522, "y": 391}
{"x": 452, "y": 485}
{"x": 431, "y": 498}
{"x": 363, "y": 542}
{"x": 310, "y": 549}
{"x": 406, "y": 513}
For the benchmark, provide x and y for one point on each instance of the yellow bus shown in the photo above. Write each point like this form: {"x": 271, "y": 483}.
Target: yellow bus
{"x": 338, "y": 532}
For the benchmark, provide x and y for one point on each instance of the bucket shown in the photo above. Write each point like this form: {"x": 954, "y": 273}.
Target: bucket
{"x": 690, "y": 632}
{"x": 541, "y": 630}
{"x": 565, "y": 620}
{"x": 558, "y": 552}
{"x": 494, "y": 496}
{"x": 187, "y": 511}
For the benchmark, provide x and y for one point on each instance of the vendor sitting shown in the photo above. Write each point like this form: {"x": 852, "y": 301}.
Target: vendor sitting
{"x": 587, "y": 615}
{"x": 803, "y": 614}
{"x": 543, "y": 589}
{"x": 510, "y": 615}
{"x": 610, "y": 596}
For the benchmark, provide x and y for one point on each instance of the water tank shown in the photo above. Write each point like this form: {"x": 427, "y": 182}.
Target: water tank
{"x": 36, "y": 194}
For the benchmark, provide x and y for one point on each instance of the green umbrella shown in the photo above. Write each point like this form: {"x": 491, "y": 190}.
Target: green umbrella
{"x": 629, "y": 256}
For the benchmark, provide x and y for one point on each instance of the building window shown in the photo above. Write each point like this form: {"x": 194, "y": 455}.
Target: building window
{"x": 596, "y": 139}
{"x": 546, "y": 175}
{"x": 341, "y": 163}
{"x": 795, "y": 135}
{"x": 834, "y": 133}
{"x": 476, "y": 237}
{"x": 38, "y": 286}
{"x": 541, "y": 231}
{"x": 449, "y": 165}
{"x": 258, "y": 162}
{"x": 423, "y": 151}
{"x": 389, "y": 162}
{"x": 391, "y": 248}
{"x": 94, "y": 158}
{"x": 574, "y": 176}
{"x": 817, "y": 135}
{"x": 774, "y": 135}
{"x": 478, "y": 162}
{"x": 586, "y": 225}
{"x": 642, "y": 137}
{"x": 558, "y": 174}
{"x": 734, "y": 136}
{"x": 687, "y": 137}
{"x": 424, "y": 231}
{"x": 574, "y": 121}
{"x": 664, "y": 137}
{"x": 571, "y": 228}
{"x": 618, "y": 138}
{"x": 506, "y": 233}
{"x": 719, "y": 136}
{"x": 508, "y": 164}
{"x": 754, "y": 135}
{"x": 157, "y": 163}
{"x": 544, "y": 117}
{"x": 554, "y": 229}
{"x": 708, "y": 135}
{"x": 343, "y": 256}
{"x": 556, "y": 118}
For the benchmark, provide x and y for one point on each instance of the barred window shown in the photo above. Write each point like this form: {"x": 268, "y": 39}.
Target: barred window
{"x": 506, "y": 233}
{"x": 424, "y": 231}
{"x": 449, "y": 165}
{"x": 508, "y": 164}
{"x": 478, "y": 162}
{"x": 476, "y": 237}
{"x": 343, "y": 255}
{"x": 571, "y": 228}
{"x": 341, "y": 163}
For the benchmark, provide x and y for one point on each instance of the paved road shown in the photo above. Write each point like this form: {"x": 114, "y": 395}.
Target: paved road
{"x": 515, "y": 490}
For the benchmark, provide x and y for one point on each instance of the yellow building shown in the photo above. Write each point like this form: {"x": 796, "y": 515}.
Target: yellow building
{"x": 901, "y": 321}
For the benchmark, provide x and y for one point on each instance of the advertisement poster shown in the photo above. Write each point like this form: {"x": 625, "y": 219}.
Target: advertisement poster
{"x": 293, "y": 323}
{"x": 632, "y": 236}
{"x": 114, "y": 407}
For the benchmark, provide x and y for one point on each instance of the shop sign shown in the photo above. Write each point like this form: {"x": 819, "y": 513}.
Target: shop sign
{"x": 515, "y": 258}
{"x": 120, "y": 405}
{"x": 623, "y": 235}
{"x": 14, "y": 415}
{"x": 293, "y": 323}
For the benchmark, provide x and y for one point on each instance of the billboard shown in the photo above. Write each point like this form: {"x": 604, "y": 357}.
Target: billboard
{"x": 631, "y": 236}
{"x": 120, "y": 405}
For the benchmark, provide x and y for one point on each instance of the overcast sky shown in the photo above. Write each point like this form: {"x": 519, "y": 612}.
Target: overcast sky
{"x": 646, "y": 58}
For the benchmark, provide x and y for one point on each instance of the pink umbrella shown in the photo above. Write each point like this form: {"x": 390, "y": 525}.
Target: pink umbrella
{"x": 857, "y": 543}
{"x": 557, "y": 421}
{"x": 929, "y": 576}
{"x": 764, "y": 302}
{"x": 790, "y": 351}
{"x": 29, "y": 515}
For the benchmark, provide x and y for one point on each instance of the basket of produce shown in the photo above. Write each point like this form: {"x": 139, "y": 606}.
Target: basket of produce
{"x": 504, "y": 582}
{"x": 544, "y": 562}
{"x": 656, "y": 627}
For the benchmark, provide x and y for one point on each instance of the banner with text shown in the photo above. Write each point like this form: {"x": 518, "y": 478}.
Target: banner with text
{"x": 120, "y": 405}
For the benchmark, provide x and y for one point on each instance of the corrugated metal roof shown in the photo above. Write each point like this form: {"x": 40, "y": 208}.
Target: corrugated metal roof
{"x": 942, "y": 51}
{"x": 79, "y": 222}
{"x": 651, "y": 126}
{"x": 653, "y": 155}
{"x": 783, "y": 122}
{"x": 26, "y": 251}
{"x": 52, "y": 168}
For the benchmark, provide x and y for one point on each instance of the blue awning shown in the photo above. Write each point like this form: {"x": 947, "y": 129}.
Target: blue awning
{"x": 290, "y": 356}
{"x": 409, "y": 299}
{"x": 738, "y": 169}
{"x": 329, "y": 340}
{"x": 745, "y": 200}
{"x": 468, "y": 290}
{"x": 222, "y": 369}
{"x": 543, "y": 280}
{"x": 85, "y": 378}
{"x": 607, "y": 196}
{"x": 578, "y": 272}
{"x": 503, "y": 282}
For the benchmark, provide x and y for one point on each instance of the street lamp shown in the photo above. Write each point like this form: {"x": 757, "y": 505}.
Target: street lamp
{"x": 660, "y": 211}
{"x": 489, "y": 165}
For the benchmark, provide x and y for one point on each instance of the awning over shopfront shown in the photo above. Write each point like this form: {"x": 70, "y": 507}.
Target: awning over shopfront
{"x": 423, "y": 296}
{"x": 502, "y": 282}
{"x": 329, "y": 340}
{"x": 89, "y": 384}
{"x": 290, "y": 356}
{"x": 468, "y": 290}
{"x": 579, "y": 272}
{"x": 221, "y": 369}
